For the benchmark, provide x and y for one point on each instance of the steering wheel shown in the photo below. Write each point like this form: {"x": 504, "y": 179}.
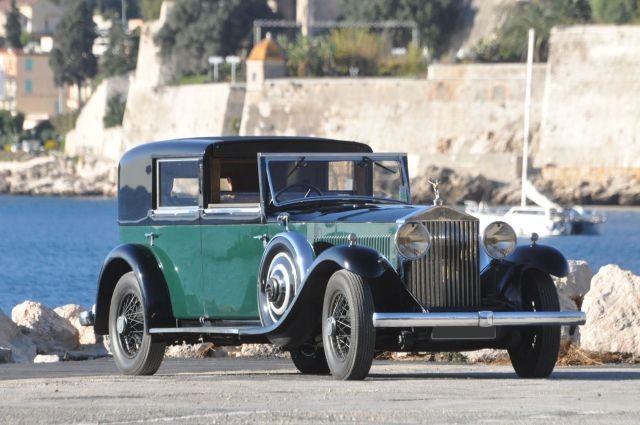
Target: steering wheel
{"x": 310, "y": 188}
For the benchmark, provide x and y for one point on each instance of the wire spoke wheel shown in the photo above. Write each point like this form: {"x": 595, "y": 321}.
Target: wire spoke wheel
{"x": 134, "y": 351}
{"x": 348, "y": 334}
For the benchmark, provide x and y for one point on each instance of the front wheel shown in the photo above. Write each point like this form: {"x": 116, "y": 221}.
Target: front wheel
{"x": 133, "y": 350}
{"x": 536, "y": 354}
{"x": 348, "y": 334}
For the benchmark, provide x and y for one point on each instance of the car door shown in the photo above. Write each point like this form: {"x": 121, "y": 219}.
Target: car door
{"x": 232, "y": 239}
{"x": 175, "y": 235}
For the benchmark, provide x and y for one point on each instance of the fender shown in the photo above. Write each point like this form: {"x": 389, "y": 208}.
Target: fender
{"x": 156, "y": 301}
{"x": 541, "y": 257}
{"x": 302, "y": 317}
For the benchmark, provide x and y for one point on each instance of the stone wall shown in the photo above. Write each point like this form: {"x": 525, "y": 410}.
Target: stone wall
{"x": 591, "y": 122}
{"x": 458, "y": 113}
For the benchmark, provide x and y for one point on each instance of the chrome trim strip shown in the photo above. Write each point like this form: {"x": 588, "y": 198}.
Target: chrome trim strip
{"x": 197, "y": 330}
{"x": 481, "y": 319}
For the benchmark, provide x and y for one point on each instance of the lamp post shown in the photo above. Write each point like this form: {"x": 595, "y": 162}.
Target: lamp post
{"x": 233, "y": 61}
{"x": 216, "y": 61}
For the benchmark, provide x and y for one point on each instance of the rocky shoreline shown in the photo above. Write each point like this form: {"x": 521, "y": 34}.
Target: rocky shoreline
{"x": 59, "y": 175}
{"x": 610, "y": 299}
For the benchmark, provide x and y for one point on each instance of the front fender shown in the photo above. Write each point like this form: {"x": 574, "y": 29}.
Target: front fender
{"x": 139, "y": 259}
{"x": 302, "y": 318}
{"x": 541, "y": 257}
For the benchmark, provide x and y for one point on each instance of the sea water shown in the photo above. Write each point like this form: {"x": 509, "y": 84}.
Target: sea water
{"x": 52, "y": 249}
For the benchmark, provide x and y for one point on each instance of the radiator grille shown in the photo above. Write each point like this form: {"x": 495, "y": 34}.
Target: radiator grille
{"x": 381, "y": 243}
{"x": 449, "y": 275}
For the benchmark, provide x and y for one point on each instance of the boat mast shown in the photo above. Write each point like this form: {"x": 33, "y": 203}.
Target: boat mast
{"x": 527, "y": 116}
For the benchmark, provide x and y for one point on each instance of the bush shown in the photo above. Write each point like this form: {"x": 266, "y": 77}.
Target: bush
{"x": 411, "y": 64}
{"x": 115, "y": 111}
{"x": 306, "y": 56}
{"x": 357, "y": 50}
{"x": 614, "y": 11}
{"x": 65, "y": 123}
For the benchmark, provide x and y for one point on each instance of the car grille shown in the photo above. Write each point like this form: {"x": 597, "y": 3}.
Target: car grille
{"x": 381, "y": 243}
{"x": 449, "y": 275}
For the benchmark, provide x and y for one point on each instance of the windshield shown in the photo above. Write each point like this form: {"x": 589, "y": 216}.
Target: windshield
{"x": 369, "y": 178}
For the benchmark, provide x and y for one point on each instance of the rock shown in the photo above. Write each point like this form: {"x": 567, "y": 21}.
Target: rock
{"x": 612, "y": 309}
{"x": 87, "y": 352}
{"x": 256, "y": 350}
{"x": 194, "y": 351}
{"x": 50, "y": 332}
{"x": 568, "y": 334}
{"x": 577, "y": 282}
{"x": 485, "y": 355}
{"x": 71, "y": 312}
{"x": 47, "y": 358}
{"x": 106, "y": 341}
{"x": 21, "y": 348}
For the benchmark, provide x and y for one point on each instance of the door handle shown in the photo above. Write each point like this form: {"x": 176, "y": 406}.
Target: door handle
{"x": 264, "y": 238}
{"x": 152, "y": 237}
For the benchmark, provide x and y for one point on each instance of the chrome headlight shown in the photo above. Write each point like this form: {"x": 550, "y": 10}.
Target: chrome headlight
{"x": 412, "y": 240}
{"x": 499, "y": 239}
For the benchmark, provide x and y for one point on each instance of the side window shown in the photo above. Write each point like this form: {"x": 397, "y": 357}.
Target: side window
{"x": 178, "y": 183}
{"x": 234, "y": 181}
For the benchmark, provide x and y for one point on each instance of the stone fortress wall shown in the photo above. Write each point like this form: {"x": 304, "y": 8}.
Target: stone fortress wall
{"x": 467, "y": 117}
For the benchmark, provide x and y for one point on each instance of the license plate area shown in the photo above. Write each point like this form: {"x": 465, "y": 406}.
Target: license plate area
{"x": 462, "y": 332}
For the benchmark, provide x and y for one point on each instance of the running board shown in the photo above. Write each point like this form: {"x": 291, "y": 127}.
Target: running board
{"x": 220, "y": 330}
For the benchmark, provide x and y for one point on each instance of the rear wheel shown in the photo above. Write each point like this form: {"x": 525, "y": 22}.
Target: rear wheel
{"x": 347, "y": 326}
{"x": 309, "y": 360}
{"x": 536, "y": 354}
{"x": 133, "y": 349}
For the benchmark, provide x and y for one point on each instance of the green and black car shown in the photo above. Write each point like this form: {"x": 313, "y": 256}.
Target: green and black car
{"x": 313, "y": 245}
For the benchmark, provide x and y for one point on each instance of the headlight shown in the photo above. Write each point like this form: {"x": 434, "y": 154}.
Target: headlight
{"x": 412, "y": 240}
{"x": 499, "y": 239}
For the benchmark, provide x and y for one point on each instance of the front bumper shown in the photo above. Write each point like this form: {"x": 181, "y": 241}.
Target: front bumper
{"x": 483, "y": 319}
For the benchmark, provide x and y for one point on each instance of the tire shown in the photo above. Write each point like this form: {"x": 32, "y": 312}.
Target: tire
{"x": 536, "y": 354}
{"x": 348, "y": 334}
{"x": 133, "y": 349}
{"x": 309, "y": 360}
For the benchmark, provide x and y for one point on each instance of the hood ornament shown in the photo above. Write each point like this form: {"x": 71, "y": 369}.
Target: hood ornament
{"x": 436, "y": 201}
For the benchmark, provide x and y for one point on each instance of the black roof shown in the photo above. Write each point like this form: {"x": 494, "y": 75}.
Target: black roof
{"x": 241, "y": 146}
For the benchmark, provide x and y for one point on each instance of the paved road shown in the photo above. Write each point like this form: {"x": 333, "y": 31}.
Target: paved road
{"x": 270, "y": 391}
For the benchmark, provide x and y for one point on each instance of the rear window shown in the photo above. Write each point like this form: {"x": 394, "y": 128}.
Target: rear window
{"x": 178, "y": 183}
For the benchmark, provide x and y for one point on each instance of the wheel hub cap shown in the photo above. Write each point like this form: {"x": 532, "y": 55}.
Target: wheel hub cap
{"x": 121, "y": 324}
{"x": 330, "y": 329}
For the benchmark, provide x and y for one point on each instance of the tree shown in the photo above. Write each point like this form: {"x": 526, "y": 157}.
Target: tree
{"x": 121, "y": 55}
{"x": 114, "y": 7}
{"x": 13, "y": 28}
{"x": 510, "y": 43}
{"x": 614, "y": 11}
{"x": 435, "y": 18}
{"x": 197, "y": 29}
{"x": 150, "y": 9}
{"x": 72, "y": 59}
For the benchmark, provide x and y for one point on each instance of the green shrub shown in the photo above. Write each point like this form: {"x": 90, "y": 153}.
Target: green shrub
{"x": 357, "y": 49}
{"x": 115, "y": 111}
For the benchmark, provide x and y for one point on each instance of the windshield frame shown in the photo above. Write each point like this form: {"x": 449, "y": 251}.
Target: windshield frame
{"x": 264, "y": 159}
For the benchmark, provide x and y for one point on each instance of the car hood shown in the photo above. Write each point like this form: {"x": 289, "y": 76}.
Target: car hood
{"x": 356, "y": 213}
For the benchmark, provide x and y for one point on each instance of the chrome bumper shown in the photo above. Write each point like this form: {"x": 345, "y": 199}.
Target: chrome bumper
{"x": 87, "y": 318}
{"x": 483, "y": 319}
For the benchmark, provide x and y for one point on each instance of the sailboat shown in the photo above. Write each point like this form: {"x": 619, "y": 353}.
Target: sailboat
{"x": 546, "y": 218}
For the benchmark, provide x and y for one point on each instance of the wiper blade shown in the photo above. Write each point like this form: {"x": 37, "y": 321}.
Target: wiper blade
{"x": 300, "y": 163}
{"x": 368, "y": 160}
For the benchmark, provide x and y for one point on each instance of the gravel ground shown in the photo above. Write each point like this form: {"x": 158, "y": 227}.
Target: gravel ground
{"x": 270, "y": 391}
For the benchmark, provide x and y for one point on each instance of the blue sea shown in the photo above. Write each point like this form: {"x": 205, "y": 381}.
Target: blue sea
{"x": 52, "y": 249}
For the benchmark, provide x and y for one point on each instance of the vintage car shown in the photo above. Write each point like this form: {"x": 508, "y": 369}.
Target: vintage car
{"x": 313, "y": 245}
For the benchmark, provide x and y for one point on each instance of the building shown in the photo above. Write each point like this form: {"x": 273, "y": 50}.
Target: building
{"x": 266, "y": 60}
{"x": 27, "y": 85}
{"x": 39, "y": 17}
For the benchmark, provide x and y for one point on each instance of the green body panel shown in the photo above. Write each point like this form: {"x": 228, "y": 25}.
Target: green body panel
{"x": 178, "y": 251}
{"x": 231, "y": 257}
{"x": 212, "y": 270}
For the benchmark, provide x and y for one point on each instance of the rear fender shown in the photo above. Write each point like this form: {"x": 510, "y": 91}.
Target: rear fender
{"x": 139, "y": 259}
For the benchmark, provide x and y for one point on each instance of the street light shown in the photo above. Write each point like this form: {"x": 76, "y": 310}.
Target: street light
{"x": 216, "y": 61}
{"x": 233, "y": 61}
